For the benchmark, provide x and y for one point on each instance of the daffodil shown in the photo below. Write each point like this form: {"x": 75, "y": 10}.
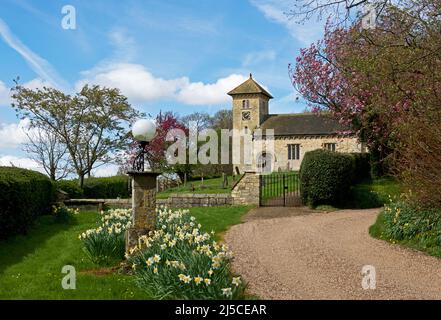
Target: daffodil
{"x": 226, "y": 292}
{"x": 198, "y": 280}
{"x": 236, "y": 281}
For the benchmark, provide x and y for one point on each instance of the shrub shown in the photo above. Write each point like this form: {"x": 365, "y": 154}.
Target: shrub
{"x": 24, "y": 195}
{"x": 71, "y": 187}
{"x": 97, "y": 188}
{"x": 362, "y": 166}
{"x": 106, "y": 243}
{"x": 178, "y": 261}
{"x": 107, "y": 187}
{"x": 404, "y": 221}
{"x": 326, "y": 177}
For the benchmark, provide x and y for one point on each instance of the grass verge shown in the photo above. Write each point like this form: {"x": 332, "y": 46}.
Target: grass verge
{"x": 377, "y": 231}
{"x": 30, "y": 265}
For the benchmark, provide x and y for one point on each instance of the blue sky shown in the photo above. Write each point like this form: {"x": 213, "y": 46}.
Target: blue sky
{"x": 164, "y": 55}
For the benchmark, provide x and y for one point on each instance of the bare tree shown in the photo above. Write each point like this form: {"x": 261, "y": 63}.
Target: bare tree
{"x": 338, "y": 11}
{"x": 199, "y": 120}
{"x": 47, "y": 150}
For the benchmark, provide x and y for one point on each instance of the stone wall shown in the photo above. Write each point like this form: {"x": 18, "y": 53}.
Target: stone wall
{"x": 181, "y": 200}
{"x": 247, "y": 190}
{"x": 280, "y": 159}
{"x": 189, "y": 200}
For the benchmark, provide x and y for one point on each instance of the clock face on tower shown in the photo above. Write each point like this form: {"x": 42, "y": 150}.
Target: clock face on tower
{"x": 246, "y": 115}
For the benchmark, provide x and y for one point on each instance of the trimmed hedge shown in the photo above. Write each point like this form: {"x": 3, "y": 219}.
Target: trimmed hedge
{"x": 362, "y": 166}
{"x": 24, "y": 195}
{"x": 97, "y": 188}
{"x": 71, "y": 187}
{"x": 326, "y": 177}
{"x": 107, "y": 188}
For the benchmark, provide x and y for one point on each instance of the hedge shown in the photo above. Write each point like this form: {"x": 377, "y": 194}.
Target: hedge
{"x": 97, "y": 188}
{"x": 326, "y": 177}
{"x": 24, "y": 195}
{"x": 362, "y": 166}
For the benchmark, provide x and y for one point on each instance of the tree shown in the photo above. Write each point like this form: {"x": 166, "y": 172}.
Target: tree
{"x": 92, "y": 124}
{"x": 223, "y": 119}
{"x": 338, "y": 11}
{"x": 46, "y": 149}
{"x": 390, "y": 94}
{"x": 201, "y": 120}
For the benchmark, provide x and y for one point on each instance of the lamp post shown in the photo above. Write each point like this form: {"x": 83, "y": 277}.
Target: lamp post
{"x": 143, "y": 131}
{"x": 143, "y": 186}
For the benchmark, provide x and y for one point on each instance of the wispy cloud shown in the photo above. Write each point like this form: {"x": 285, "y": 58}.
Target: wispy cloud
{"x": 275, "y": 11}
{"x": 39, "y": 65}
{"x": 259, "y": 57}
{"x": 4, "y": 94}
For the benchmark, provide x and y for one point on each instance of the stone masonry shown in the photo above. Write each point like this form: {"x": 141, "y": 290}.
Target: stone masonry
{"x": 247, "y": 189}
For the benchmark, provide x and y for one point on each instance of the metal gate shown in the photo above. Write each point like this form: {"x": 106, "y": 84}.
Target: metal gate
{"x": 280, "y": 189}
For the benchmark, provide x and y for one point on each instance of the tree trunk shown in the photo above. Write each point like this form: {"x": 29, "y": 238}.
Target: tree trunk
{"x": 81, "y": 180}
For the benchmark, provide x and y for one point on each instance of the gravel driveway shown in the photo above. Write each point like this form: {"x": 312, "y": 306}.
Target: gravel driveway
{"x": 296, "y": 253}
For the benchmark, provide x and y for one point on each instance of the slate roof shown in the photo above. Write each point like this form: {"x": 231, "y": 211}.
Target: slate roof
{"x": 250, "y": 86}
{"x": 302, "y": 124}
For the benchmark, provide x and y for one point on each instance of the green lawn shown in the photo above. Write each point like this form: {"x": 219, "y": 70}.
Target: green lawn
{"x": 213, "y": 185}
{"x": 30, "y": 266}
{"x": 374, "y": 193}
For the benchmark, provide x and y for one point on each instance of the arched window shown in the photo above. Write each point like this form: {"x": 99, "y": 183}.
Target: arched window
{"x": 246, "y": 130}
{"x": 245, "y": 104}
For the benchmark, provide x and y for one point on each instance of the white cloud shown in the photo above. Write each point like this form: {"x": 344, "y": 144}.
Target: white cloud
{"x": 26, "y": 163}
{"x": 134, "y": 81}
{"x": 105, "y": 171}
{"x": 39, "y": 65}
{"x": 140, "y": 85}
{"x": 199, "y": 93}
{"x": 257, "y": 58}
{"x": 4, "y": 94}
{"x": 13, "y": 134}
{"x": 275, "y": 11}
{"x": 124, "y": 44}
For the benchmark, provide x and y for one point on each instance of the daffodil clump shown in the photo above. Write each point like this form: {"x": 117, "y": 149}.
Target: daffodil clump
{"x": 106, "y": 243}
{"x": 63, "y": 214}
{"x": 180, "y": 261}
{"x": 404, "y": 221}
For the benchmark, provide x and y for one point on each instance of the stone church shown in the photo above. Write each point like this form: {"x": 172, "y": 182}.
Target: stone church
{"x": 294, "y": 134}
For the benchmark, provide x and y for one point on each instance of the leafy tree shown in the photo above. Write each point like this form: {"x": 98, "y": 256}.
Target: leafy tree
{"x": 386, "y": 83}
{"x": 92, "y": 124}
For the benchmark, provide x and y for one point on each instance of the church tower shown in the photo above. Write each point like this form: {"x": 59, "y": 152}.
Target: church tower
{"x": 250, "y": 106}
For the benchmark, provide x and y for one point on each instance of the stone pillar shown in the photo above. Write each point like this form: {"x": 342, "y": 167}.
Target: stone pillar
{"x": 143, "y": 206}
{"x": 247, "y": 189}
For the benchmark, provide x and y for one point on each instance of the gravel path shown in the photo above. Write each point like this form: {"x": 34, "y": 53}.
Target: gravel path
{"x": 295, "y": 253}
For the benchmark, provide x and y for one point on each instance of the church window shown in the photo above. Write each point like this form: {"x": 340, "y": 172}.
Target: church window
{"x": 293, "y": 151}
{"x": 245, "y": 104}
{"x": 330, "y": 146}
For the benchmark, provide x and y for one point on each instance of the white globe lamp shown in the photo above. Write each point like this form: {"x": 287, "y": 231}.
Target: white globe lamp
{"x": 144, "y": 131}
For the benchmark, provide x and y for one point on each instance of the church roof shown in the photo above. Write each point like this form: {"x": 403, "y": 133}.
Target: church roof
{"x": 250, "y": 86}
{"x": 302, "y": 124}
